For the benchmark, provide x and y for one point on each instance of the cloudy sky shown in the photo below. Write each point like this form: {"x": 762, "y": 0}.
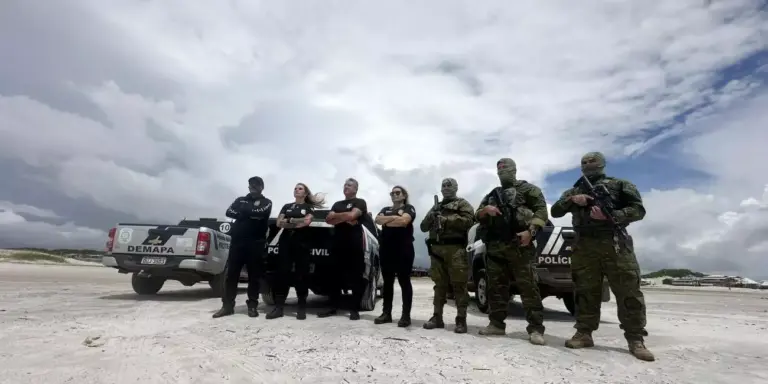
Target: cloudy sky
{"x": 131, "y": 110}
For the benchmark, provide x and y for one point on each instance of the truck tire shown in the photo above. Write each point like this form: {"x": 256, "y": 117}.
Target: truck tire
{"x": 369, "y": 296}
{"x": 570, "y": 303}
{"x": 146, "y": 285}
{"x": 481, "y": 290}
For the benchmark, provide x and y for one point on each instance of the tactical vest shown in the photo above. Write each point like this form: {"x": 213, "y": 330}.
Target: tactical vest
{"x": 498, "y": 228}
{"x": 582, "y": 222}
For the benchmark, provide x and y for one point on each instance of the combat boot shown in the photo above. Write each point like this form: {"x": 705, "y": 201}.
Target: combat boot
{"x": 385, "y": 317}
{"x": 226, "y": 310}
{"x": 461, "y": 325}
{"x": 581, "y": 339}
{"x": 301, "y": 311}
{"x": 492, "y": 330}
{"x": 252, "y": 308}
{"x": 536, "y": 338}
{"x": 436, "y": 321}
{"x": 637, "y": 349}
{"x": 354, "y": 315}
{"x": 277, "y": 311}
{"x": 405, "y": 321}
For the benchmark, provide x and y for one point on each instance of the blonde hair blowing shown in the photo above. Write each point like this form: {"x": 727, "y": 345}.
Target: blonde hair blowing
{"x": 316, "y": 200}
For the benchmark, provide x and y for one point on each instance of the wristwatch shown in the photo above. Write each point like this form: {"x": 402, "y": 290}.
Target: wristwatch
{"x": 533, "y": 230}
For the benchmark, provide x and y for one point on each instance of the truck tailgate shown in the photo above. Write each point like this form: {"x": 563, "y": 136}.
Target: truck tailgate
{"x": 157, "y": 242}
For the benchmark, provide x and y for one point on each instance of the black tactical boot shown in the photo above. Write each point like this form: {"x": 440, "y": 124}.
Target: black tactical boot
{"x": 386, "y": 317}
{"x": 277, "y": 311}
{"x": 252, "y": 311}
{"x": 301, "y": 311}
{"x": 461, "y": 325}
{"x": 327, "y": 313}
{"x": 405, "y": 321}
{"x": 354, "y": 315}
{"x": 226, "y": 310}
{"x": 436, "y": 321}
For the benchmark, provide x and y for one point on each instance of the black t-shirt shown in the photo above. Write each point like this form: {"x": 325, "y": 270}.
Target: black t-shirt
{"x": 398, "y": 235}
{"x": 295, "y": 211}
{"x": 347, "y": 230}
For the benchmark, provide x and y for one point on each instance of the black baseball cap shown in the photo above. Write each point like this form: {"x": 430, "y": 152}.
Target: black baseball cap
{"x": 256, "y": 182}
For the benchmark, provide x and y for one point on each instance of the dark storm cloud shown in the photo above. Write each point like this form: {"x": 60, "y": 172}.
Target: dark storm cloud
{"x": 48, "y": 46}
{"x": 22, "y": 184}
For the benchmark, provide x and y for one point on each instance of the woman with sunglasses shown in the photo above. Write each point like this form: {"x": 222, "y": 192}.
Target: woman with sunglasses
{"x": 294, "y": 250}
{"x": 397, "y": 253}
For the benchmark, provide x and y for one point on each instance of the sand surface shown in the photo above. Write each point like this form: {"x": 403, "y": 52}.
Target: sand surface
{"x": 66, "y": 324}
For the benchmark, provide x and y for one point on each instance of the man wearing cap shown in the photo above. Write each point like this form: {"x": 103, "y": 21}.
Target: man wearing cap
{"x": 249, "y": 233}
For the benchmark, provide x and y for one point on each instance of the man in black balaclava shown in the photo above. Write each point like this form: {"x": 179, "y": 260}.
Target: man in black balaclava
{"x": 249, "y": 233}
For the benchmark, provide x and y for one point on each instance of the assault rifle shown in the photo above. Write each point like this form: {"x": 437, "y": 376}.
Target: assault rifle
{"x": 506, "y": 213}
{"x": 436, "y": 226}
{"x": 601, "y": 198}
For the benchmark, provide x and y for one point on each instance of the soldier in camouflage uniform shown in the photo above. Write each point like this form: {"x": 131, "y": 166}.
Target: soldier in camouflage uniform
{"x": 509, "y": 250}
{"x": 448, "y": 263}
{"x": 595, "y": 255}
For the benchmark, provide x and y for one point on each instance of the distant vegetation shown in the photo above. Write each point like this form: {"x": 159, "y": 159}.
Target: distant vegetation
{"x": 34, "y": 256}
{"x": 62, "y": 252}
{"x": 672, "y": 273}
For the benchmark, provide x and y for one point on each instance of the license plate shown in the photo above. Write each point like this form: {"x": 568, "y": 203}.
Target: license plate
{"x": 153, "y": 260}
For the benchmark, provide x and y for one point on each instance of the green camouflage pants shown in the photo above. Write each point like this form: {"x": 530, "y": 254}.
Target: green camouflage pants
{"x": 507, "y": 262}
{"x": 448, "y": 268}
{"x": 593, "y": 258}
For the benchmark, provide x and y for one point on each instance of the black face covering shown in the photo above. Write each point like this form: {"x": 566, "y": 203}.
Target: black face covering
{"x": 255, "y": 186}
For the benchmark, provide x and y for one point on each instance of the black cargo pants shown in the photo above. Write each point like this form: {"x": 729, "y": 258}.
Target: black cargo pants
{"x": 249, "y": 254}
{"x": 348, "y": 257}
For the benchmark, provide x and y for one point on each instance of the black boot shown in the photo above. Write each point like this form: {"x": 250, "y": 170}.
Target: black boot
{"x": 386, "y": 317}
{"x": 354, "y": 314}
{"x": 226, "y": 310}
{"x": 277, "y": 311}
{"x": 405, "y": 321}
{"x": 301, "y": 311}
{"x": 327, "y": 313}
{"x": 252, "y": 305}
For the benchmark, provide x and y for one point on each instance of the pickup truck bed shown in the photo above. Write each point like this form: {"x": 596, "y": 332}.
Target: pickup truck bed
{"x": 189, "y": 253}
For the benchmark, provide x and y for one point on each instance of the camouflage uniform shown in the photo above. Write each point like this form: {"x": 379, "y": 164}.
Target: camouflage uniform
{"x": 506, "y": 258}
{"x": 448, "y": 262}
{"x": 595, "y": 255}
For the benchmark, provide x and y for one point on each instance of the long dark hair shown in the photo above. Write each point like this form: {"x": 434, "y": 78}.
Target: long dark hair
{"x": 314, "y": 200}
{"x": 405, "y": 193}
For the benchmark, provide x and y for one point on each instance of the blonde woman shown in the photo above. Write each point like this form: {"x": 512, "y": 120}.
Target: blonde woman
{"x": 294, "y": 249}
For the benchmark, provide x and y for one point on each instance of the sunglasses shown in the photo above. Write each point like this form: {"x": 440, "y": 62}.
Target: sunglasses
{"x": 447, "y": 185}
{"x": 395, "y": 193}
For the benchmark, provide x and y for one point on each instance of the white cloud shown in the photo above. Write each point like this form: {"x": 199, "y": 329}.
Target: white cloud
{"x": 388, "y": 93}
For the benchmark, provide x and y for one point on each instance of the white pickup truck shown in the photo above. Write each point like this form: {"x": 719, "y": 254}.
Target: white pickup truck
{"x": 190, "y": 252}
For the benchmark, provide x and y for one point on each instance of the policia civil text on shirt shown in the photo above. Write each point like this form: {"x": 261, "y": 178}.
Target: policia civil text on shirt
{"x": 294, "y": 250}
{"x": 247, "y": 248}
{"x": 397, "y": 254}
{"x": 347, "y": 249}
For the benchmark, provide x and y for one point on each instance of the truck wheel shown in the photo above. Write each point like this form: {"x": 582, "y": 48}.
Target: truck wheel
{"x": 146, "y": 285}
{"x": 481, "y": 290}
{"x": 570, "y": 303}
{"x": 369, "y": 296}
